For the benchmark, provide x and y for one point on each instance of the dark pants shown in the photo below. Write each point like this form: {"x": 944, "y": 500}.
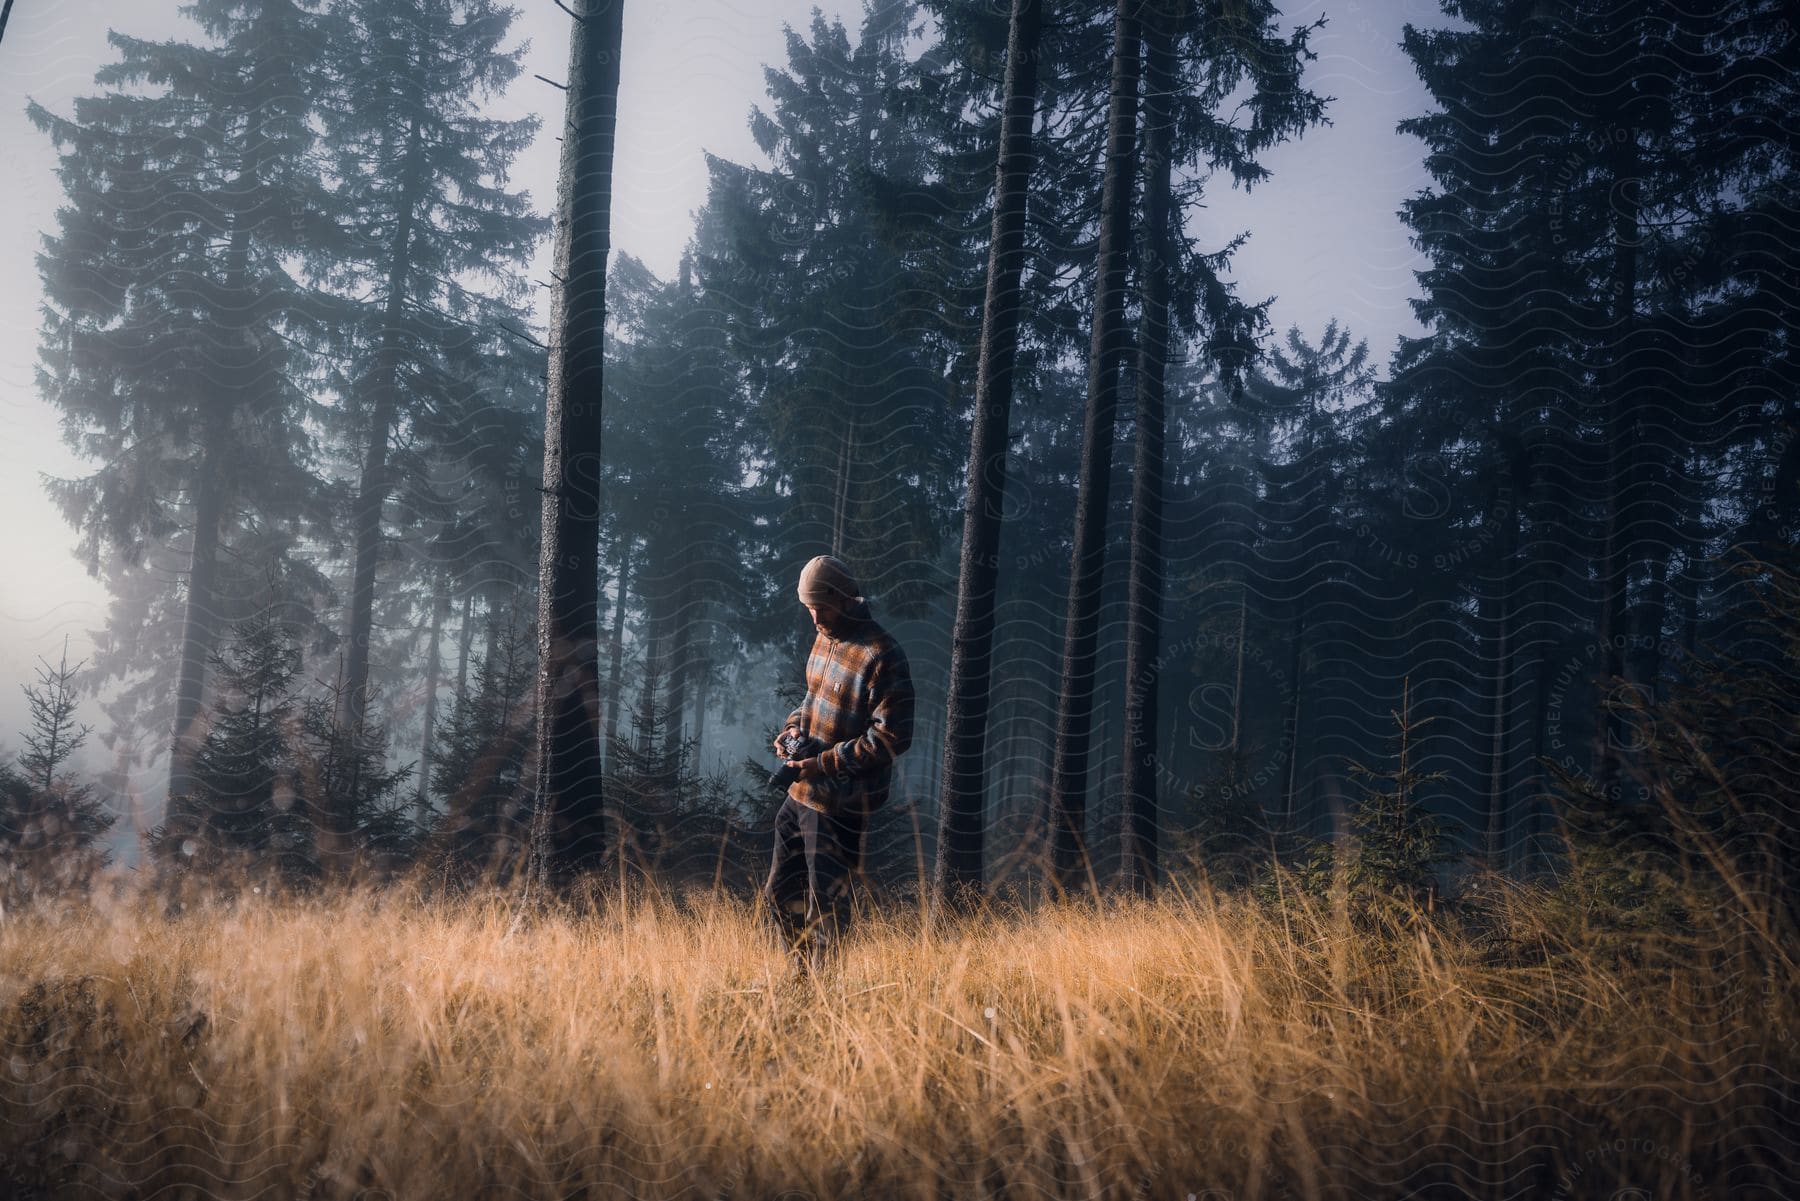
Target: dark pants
{"x": 817, "y": 860}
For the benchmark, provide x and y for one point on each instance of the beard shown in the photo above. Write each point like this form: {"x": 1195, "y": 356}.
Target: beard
{"x": 835, "y": 623}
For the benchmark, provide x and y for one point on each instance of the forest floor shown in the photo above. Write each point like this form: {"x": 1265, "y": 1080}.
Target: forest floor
{"x": 382, "y": 1045}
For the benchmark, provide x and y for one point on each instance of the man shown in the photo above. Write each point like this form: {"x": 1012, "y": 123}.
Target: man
{"x": 857, "y": 719}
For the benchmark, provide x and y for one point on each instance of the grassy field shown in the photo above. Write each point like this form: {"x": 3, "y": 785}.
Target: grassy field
{"x": 378, "y": 1044}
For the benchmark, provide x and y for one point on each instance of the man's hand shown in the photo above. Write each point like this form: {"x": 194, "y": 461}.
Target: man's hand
{"x": 777, "y": 743}
{"x": 810, "y": 769}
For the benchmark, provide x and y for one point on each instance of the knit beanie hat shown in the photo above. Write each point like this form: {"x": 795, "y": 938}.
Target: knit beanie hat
{"x": 825, "y": 576}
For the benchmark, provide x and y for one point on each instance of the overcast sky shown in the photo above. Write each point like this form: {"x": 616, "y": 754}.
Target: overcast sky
{"x": 1325, "y": 240}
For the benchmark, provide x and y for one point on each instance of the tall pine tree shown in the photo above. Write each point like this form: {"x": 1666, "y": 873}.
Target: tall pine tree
{"x": 174, "y": 329}
{"x": 568, "y": 819}
{"x": 433, "y": 242}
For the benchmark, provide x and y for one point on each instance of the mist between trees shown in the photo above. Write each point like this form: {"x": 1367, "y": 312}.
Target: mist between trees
{"x": 1472, "y": 600}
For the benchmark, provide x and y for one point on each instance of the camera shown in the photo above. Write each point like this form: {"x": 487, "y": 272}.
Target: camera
{"x": 793, "y": 746}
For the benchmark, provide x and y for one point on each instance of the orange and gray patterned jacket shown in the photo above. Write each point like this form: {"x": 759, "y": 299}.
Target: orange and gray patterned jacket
{"x": 859, "y": 704}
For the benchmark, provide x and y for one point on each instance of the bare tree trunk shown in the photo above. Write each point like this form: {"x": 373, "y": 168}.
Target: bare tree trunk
{"x": 654, "y": 673}
{"x": 464, "y": 637}
{"x": 1693, "y": 544}
{"x": 1531, "y": 656}
{"x": 372, "y": 488}
{"x": 683, "y": 649}
{"x": 1500, "y": 612}
{"x": 440, "y": 609}
{"x": 615, "y": 682}
{"x": 1614, "y": 565}
{"x": 1537, "y": 821}
{"x": 199, "y": 621}
{"x": 1104, "y": 769}
{"x": 1075, "y": 708}
{"x": 569, "y": 820}
{"x": 491, "y": 629}
{"x": 840, "y": 499}
{"x": 962, "y": 808}
{"x": 1655, "y": 618}
{"x": 1016, "y": 734}
{"x": 1139, "y": 831}
{"x": 1296, "y": 665}
{"x": 200, "y": 618}
{"x": 702, "y": 689}
{"x": 1237, "y": 687}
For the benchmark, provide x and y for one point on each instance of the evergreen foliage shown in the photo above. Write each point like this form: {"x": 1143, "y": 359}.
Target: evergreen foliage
{"x": 482, "y": 765}
{"x": 651, "y": 782}
{"x": 343, "y": 773}
{"x": 281, "y": 791}
{"x": 50, "y": 824}
{"x": 246, "y": 811}
{"x": 285, "y": 326}
{"x": 845, "y": 323}
{"x": 1394, "y": 844}
{"x": 419, "y": 177}
{"x": 1718, "y": 802}
{"x": 176, "y": 334}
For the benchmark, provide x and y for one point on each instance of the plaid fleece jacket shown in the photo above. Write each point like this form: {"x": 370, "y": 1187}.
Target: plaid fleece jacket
{"x": 859, "y": 703}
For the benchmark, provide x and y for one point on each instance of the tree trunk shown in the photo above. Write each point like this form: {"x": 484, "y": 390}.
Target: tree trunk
{"x": 568, "y": 833}
{"x": 1533, "y": 623}
{"x": 372, "y": 489}
{"x": 1537, "y": 812}
{"x": 1104, "y": 773}
{"x": 840, "y": 497}
{"x": 701, "y": 691}
{"x": 1075, "y": 707}
{"x": 491, "y": 631}
{"x": 1014, "y": 741}
{"x": 464, "y": 636}
{"x": 440, "y": 609}
{"x": 1655, "y": 616}
{"x": 199, "y": 622}
{"x": 1296, "y": 665}
{"x": 1694, "y": 544}
{"x": 1499, "y": 610}
{"x": 654, "y": 672}
{"x": 681, "y": 659}
{"x": 1237, "y": 687}
{"x": 615, "y": 682}
{"x": 1139, "y": 831}
{"x": 1617, "y": 471}
{"x": 962, "y": 815}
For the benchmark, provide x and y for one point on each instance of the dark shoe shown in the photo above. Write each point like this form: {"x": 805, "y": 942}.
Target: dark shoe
{"x": 788, "y": 927}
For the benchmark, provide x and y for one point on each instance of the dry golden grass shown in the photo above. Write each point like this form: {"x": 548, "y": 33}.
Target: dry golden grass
{"x": 376, "y": 1043}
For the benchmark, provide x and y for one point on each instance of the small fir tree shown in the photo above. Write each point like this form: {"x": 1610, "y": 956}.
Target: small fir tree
{"x": 483, "y": 760}
{"x": 350, "y": 789}
{"x": 49, "y": 825}
{"x": 244, "y": 810}
{"x": 1394, "y": 842}
{"x": 650, "y": 778}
